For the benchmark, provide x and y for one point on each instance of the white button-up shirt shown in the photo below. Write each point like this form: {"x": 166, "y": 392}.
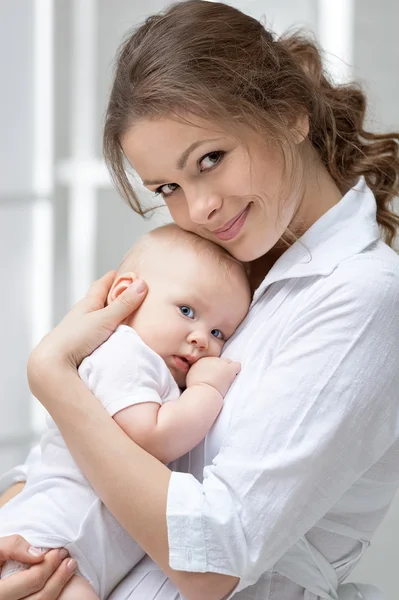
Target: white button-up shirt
{"x": 288, "y": 487}
{"x": 303, "y": 461}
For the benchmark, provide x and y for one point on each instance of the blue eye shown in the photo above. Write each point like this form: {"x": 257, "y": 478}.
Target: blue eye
{"x": 217, "y": 334}
{"x": 187, "y": 311}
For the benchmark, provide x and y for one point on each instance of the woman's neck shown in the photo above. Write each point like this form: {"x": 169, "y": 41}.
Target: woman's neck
{"x": 259, "y": 268}
{"x": 319, "y": 195}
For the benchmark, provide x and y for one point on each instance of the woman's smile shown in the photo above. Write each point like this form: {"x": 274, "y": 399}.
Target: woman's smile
{"x": 233, "y": 227}
{"x": 217, "y": 201}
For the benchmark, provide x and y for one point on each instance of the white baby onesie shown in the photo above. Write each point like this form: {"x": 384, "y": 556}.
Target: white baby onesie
{"x": 58, "y": 507}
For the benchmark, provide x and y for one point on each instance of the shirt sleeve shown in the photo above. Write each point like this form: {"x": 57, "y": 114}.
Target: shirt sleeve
{"x": 123, "y": 372}
{"x": 326, "y": 410}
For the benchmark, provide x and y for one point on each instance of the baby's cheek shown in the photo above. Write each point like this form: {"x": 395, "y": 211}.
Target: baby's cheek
{"x": 216, "y": 349}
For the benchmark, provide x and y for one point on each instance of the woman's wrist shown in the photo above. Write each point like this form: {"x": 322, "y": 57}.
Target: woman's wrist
{"x": 47, "y": 373}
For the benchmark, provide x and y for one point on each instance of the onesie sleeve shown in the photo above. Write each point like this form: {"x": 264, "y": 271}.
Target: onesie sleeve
{"x": 325, "y": 411}
{"x": 20, "y": 473}
{"x": 123, "y": 372}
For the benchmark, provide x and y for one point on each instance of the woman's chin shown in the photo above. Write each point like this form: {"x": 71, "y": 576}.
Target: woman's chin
{"x": 247, "y": 251}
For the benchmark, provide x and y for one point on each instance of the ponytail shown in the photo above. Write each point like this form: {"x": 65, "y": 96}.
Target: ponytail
{"x": 337, "y": 133}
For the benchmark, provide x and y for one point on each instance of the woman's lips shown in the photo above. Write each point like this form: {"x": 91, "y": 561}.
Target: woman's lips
{"x": 233, "y": 227}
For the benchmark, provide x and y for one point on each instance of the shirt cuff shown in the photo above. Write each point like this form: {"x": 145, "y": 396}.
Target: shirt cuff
{"x": 186, "y": 538}
{"x": 187, "y": 551}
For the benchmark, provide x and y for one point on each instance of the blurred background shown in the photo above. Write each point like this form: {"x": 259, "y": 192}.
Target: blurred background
{"x": 62, "y": 224}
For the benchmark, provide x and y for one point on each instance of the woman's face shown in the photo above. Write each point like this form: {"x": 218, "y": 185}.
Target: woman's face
{"x": 236, "y": 194}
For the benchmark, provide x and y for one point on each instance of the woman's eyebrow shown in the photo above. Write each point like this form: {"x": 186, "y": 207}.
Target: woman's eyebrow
{"x": 181, "y": 163}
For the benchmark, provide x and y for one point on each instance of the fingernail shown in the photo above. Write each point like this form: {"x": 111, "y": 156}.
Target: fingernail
{"x": 71, "y": 565}
{"x": 63, "y": 553}
{"x": 139, "y": 286}
{"x": 35, "y": 551}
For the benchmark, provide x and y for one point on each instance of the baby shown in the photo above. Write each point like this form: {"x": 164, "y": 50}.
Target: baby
{"x": 161, "y": 378}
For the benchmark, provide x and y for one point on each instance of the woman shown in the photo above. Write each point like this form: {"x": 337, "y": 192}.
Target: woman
{"x": 252, "y": 147}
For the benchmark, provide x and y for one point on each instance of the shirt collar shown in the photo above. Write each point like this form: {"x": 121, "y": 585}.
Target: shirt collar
{"x": 343, "y": 231}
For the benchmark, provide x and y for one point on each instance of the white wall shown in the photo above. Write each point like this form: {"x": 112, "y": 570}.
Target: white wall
{"x": 16, "y": 212}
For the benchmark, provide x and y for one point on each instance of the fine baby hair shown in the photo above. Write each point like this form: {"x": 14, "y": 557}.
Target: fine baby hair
{"x": 170, "y": 236}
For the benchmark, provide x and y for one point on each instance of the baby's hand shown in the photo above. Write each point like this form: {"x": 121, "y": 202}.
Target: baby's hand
{"x": 219, "y": 373}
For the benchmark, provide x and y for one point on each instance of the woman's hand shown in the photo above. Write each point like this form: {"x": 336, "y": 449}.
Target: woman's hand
{"x": 47, "y": 577}
{"x": 87, "y": 325}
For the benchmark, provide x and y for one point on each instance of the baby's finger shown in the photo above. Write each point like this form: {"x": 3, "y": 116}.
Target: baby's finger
{"x": 236, "y": 366}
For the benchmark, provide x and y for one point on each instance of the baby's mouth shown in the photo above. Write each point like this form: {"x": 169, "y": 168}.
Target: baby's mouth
{"x": 181, "y": 363}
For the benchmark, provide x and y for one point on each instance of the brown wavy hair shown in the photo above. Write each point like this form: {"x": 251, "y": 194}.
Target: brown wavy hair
{"x": 210, "y": 60}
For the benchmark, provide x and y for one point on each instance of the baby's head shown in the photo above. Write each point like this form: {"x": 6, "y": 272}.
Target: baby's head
{"x": 197, "y": 296}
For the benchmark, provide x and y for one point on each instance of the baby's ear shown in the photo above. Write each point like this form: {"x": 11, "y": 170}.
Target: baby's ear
{"x": 120, "y": 284}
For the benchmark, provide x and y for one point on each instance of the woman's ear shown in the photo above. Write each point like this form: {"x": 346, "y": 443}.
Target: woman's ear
{"x": 120, "y": 284}
{"x": 301, "y": 128}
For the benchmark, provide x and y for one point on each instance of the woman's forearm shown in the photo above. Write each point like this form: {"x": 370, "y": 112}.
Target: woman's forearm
{"x": 131, "y": 482}
{"x": 12, "y": 491}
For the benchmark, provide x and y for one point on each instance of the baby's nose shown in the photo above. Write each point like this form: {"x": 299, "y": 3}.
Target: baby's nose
{"x": 199, "y": 339}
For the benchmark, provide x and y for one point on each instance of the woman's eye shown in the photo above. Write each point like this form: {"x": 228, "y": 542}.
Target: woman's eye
{"x": 213, "y": 158}
{"x": 217, "y": 334}
{"x": 206, "y": 163}
{"x": 162, "y": 189}
{"x": 187, "y": 311}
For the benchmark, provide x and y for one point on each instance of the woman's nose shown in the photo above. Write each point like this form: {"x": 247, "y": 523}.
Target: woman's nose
{"x": 199, "y": 339}
{"x": 203, "y": 206}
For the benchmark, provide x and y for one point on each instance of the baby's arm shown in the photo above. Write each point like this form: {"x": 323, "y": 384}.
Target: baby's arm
{"x": 12, "y": 491}
{"x": 173, "y": 429}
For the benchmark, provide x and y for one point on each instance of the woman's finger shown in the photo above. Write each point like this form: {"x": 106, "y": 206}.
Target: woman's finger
{"x": 98, "y": 291}
{"x": 15, "y": 547}
{"x": 26, "y": 584}
{"x": 96, "y": 296}
{"x": 126, "y": 303}
{"x": 57, "y": 581}
{"x": 88, "y": 325}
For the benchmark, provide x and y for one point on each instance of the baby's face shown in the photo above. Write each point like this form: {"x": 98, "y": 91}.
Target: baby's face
{"x": 192, "y": 308}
